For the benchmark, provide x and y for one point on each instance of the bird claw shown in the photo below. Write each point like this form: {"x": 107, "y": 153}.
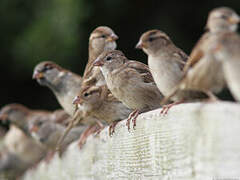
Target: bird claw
{"x": 83, "y": 138}
{"x": 112, "y": 128}
{"x": 166, "y": 108}
{"x": 133, "y": 116}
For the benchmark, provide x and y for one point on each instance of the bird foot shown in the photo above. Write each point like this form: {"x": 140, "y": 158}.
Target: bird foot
{"x": 166, "y": 108}
{"x": 112, "y": 128}
{"x": 133, "y": 116}
{"x": 83, "y": 138}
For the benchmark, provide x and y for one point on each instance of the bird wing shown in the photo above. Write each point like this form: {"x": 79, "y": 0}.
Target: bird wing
{"x": 196, "y": 54}
{"x": 141, "y": 69}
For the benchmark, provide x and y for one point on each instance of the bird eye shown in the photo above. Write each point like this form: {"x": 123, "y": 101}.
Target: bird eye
{"x": 224, "y": 16}
{"x": 39, "y": 123}
{"x": 103, "y": 36}
{"x": 109, "y": 58}
{"x": 47, "y": 67}
{"x": 86, "y": 94}
{"x": 150, "y": 39}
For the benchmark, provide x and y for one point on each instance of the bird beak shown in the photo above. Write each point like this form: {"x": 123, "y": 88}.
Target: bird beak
{"x": 139, "y": 45}
{"x": 235, "y": 19}
{"x": 34, "y": 129}
{"x": 37, "y": 75}
{"x": 76, "y": 100}
{"x": 98, "y": 62}
{"x": 112, "y": 38}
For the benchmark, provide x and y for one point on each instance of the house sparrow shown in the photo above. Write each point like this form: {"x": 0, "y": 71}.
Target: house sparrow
{"x": 64, "y": 84}
{"x": 202, "y": 72}
{"x": 166, "y": 62}
{"x": 101, "y": 39}
{"x": 201, "y": 61}
{"x": 100, "y": 103}
{"x": 48, "y": 133}
{"x": 22, "y": 117}
{"x": 227, "y": 51}
{"x": 19, "y": 152}
{"x": 129, "y": 81}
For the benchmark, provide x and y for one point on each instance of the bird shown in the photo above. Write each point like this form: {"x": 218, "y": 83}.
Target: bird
{"x": 166, "y": 62}
{"x": 227, "y": 50}
{"x": 202, "y": 71}
{"x": 48, "y": 133}
{"x": 101, "y": 39}
{"x": 98, "y": 101}
{"x": 21, "y": 116}
{"x": 130, "y": 82}
{"x": 64, "y": 83}
{"x": 18, "y": 153}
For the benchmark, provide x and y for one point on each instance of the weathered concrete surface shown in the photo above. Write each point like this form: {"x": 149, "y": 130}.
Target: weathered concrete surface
{"x": 194, "y": 141}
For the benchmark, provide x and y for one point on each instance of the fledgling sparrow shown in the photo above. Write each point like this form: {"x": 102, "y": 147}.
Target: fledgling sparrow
{"x": 166, "y": 62}
{"x": 64, "y": 83}
{"x": 129, "y": 81}
{"x": 227, "y": 50}
{"x": 98, "y": 101}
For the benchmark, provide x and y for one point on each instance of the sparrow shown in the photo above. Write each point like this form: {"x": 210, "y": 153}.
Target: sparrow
{"x": 19, "y": 152}
{"x": 227, "y": 51}
{"x": 23, "y": 117}
{"x": 101, "y": 39}
{"x": 166, "y": 62}
{"x": 48, "y": 133}
{"x": 64, "y": 83}
{"x": 202, "y": 71}
{"x": 130, "y": 82}
{"x": 98, "y": 101}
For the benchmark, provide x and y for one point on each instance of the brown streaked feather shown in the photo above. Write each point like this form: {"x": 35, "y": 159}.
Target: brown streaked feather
{"x": 181, "y": 58}
{"x": 142, "y": 69}
{"x": 196, "y": 54}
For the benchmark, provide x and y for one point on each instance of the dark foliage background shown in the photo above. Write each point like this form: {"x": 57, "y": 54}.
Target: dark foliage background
{"x": 58, "y": 30}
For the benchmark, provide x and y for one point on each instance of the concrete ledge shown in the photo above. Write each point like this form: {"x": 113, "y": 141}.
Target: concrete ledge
{"x": 194, "y": 141}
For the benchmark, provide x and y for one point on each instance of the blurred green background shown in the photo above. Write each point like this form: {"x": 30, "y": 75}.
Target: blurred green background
{"x": 58, "y": 30}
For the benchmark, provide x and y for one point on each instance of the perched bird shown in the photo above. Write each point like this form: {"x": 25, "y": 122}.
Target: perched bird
{"x": 202, "y": 71}
{"x": 166, "y": 62}
{"x": 64, "y": 84}
{"x": 227, "y": 50}
{"x": 19, "y": 152}
{"x": 100, "y": 103}
{"x": 129, "y": 81}
{"x": 48, "y": 133}
{"x": 22, "y": 116}
{"x": 101, "y": 39}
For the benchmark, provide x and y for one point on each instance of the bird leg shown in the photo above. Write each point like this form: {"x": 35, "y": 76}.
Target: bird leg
{"x": 87, "y": 132}
{"x": 112, "y": 127}
{"x": 211, "y": 96}
{"x": 133, "y": 116}
{"x": 100, "y": 125}
{"x": 166, "y": 108}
